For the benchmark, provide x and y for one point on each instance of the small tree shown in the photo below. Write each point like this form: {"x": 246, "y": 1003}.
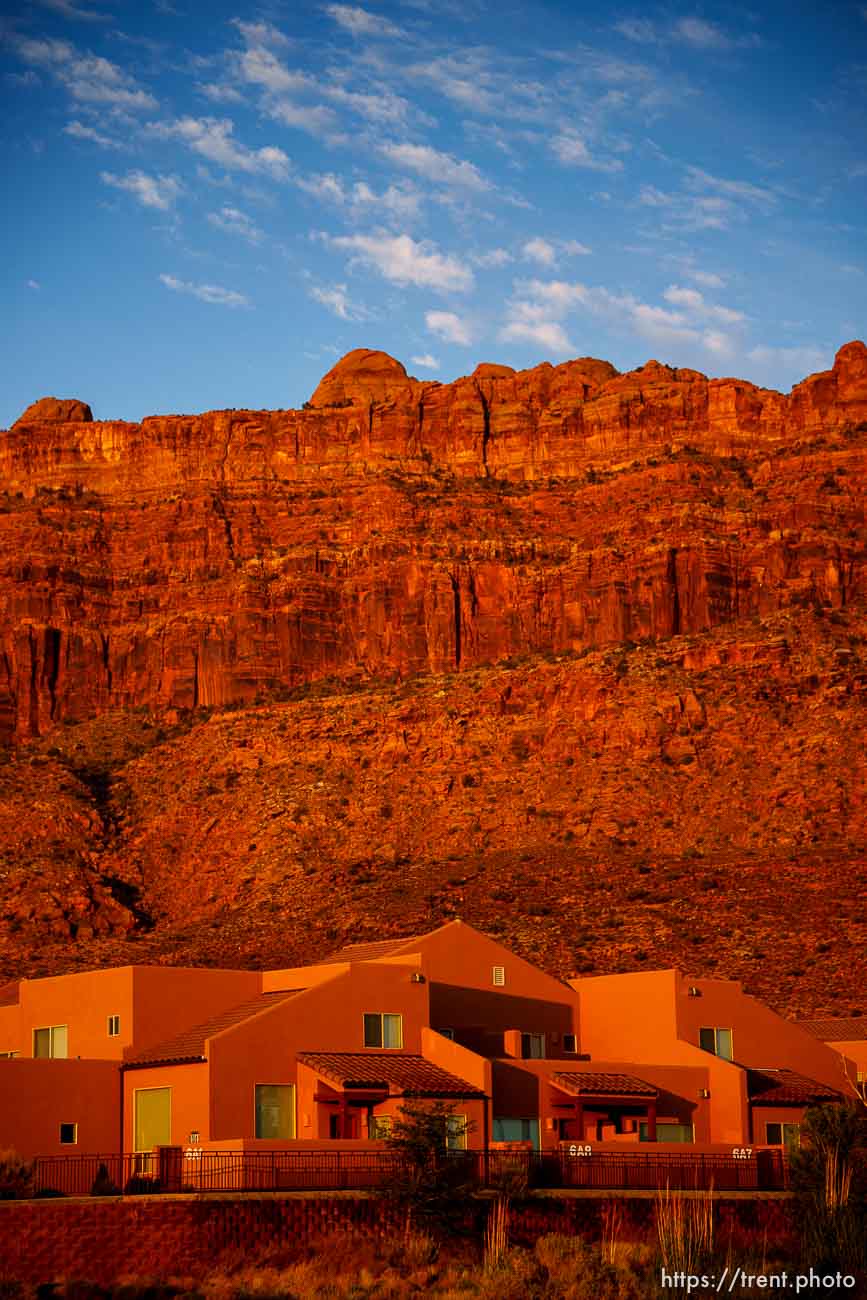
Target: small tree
{"x": 433, "y": 1182}
{"x": 16, "y": 1176}
{"x": 829, "y": 1174}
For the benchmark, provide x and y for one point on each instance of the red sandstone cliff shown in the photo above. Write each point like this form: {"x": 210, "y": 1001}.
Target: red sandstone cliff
{"x": 579, "y": 656}
{"x": 399, "y": 526}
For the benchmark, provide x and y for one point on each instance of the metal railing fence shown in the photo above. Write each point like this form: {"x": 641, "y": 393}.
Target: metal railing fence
{"x": 174, "y": 1170}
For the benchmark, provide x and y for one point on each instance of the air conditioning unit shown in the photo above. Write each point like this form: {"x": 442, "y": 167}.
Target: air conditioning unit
{"x": 694, "y": 992}
{"x": 416, "y": 977}
{"x": 704, "y": 1093}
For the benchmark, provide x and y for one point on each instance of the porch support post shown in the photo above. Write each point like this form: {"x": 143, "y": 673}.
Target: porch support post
{"x": 651, "y": 1120}
{"x": 579, "y": 1120}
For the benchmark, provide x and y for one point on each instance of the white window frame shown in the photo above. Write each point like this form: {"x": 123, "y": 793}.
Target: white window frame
{"x": 113, "y": 1026}
{"x": 498, "y": 977}
{"x": 394, "y": 1015}
{"x": 533, "y": 1038}
{"x": 68, "y": 1124}
{"x": 573, "y": 1050}
{"x": 782, "y": 1125}
{"x": 716, "y": 1030}
{"x": 51, "y": 1030}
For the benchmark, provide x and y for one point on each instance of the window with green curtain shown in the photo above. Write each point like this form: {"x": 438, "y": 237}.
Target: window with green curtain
{"x": 275, "y": 1110}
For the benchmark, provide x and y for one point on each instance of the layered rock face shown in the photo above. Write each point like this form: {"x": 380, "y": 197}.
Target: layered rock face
{"x": 396, "y": 526}
{"x": 576, "y": 655}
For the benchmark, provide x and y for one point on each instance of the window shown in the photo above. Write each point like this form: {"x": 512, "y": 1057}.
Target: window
{"x": 275, "y": 1110}
{"x": 516, "y": 1130}
{"x": 783, "y": 1135}
{"x": 113, "y": 1026}
{"x": 153, "y": 1118}
{"x": 447, "y": 1033}
{"x": 456, "y": 1132}
{"x": 667, "y": 1132}
{"x": 498, "y": 976}
{"x": 68, "y": 1134}
{"x": 379, "y": 1128}
{"x": 718, "y": 1041}
{"x": 383, "y": 1030}
{"x": 570, "y": 1042}
{"x": 532, "y": 1046}
{"x": 50, "y": 1042}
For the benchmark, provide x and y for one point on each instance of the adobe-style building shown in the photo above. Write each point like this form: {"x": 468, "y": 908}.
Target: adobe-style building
{"x": 848, "y": 1036}
{"x": 151, "y": 1056}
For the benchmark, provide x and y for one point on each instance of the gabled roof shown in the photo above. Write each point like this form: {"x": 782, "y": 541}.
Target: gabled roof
{"x": 190, "y": 1045}
{"x": 586, "y": 1084}
{"x": 400, "y": 1074}
{"x": 787, "y": 1088}
{"x": 9, "y": 994}
{"x": 846, "y": 1029}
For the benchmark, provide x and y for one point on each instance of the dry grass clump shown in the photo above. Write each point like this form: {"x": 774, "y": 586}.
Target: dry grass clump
{"x": 684, "y": 1229}
{"x": 16, "y": 1175}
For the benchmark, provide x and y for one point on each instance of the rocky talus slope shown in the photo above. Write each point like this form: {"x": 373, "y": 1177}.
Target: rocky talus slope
{"x": 576, "y": 655}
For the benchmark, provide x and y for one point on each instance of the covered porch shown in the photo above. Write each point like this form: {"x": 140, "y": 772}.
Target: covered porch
{"x": 589, "y": 1107}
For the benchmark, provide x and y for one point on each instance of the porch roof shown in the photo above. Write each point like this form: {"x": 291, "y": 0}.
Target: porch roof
{"x": 787, "y": 1088}
{"x": 190, "y": 1045}
{"x": 401, "y": 1075}
{"x": 581, "y": 1083}
{"x": 372, "y": 951}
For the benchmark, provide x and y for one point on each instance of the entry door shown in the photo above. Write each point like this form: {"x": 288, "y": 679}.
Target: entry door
{"x": 153, "y": 1118}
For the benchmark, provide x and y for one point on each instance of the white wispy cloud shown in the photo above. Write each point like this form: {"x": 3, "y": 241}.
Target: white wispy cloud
{"x": 220, "y": 92}
{"x": 803, "y": 360}
{"x": 159, "y": 192}
{"x": 80, "y": 131}
{"x": 570, "y": 148}
{"x": 359, "y": 200}
{"x": 210, "y": 293}
{"x": 448, "y": 326}
{"x": 709, "y": 279}
{"x": 89, "y": 78}
{"x": 427, "y": 361}
{"x": 67, "y": 9}
{"x": 336, "y": 299}
{"x": 213, "y": 139}
{"x": 695, "y": 302}
{"x": 758, "y": 195}
{"x": 548, "y": 334}
{"x": 261, "y": 33}
{"x": 545, "y": 251}
{"x": 360, "y": 22}
{"x": 234, "y": 222}
{"x": 493, "y": 258}
{"x": 690, "y": 30}
{"x": 402, "y": 260}
{"x": 441, "y": 168}
{"x": 34, "y": 284}
{"x": 539, "y": 250}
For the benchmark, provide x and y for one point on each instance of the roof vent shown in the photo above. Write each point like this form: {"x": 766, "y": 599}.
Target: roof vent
{"x": 694, "y": 991}
{"x": 704, "y": 1093}
{"x": 416, "y": 977}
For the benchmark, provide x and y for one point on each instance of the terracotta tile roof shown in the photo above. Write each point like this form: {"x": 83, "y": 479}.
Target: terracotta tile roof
{"x": 588, "y": 1083}
{"x": 9, "y": 994}
{"x": 848, "y": 1029}
{"x": 787, "y": 1088}
{"x": 372, "y": 951}
{"x": 402, "y": 1074}
{"x": 190, "y": 1044}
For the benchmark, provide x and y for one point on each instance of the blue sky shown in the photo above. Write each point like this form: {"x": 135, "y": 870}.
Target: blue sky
{"x": 207, "y": 204}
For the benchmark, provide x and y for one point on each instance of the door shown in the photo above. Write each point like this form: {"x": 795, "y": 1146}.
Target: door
{"x": 153, "y": 1118}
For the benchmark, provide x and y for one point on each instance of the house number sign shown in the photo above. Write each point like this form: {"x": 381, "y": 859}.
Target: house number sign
{"x": 580, "y": 1149}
